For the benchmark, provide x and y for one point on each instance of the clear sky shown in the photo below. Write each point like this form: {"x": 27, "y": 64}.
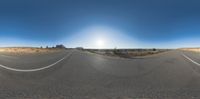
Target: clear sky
{"x": 100, "y": 23}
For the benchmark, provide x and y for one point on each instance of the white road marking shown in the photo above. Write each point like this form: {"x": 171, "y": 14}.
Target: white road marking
{"x": 37, "y": 69}
{"x": 191, "y": 60}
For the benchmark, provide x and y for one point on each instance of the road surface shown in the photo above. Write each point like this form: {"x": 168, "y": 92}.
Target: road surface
{"x": 83, "y": 75}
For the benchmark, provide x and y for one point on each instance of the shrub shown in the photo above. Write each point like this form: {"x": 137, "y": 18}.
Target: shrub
{"x": 116, "y": 51}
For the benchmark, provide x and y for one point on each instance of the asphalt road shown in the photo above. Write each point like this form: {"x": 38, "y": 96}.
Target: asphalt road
{"x": 83, "y": 75}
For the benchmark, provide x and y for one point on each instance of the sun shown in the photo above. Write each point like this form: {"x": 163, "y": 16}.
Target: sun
{"x": 100, "y": 43}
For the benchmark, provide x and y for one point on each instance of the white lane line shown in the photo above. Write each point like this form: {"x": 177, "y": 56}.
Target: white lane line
{"x": 37, "y": 69}
{"x": 191, "y": 60}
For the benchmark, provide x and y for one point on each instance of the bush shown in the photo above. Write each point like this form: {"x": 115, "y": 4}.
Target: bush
{"x": 37, "y": 51}
{"x": 116, "y": 51}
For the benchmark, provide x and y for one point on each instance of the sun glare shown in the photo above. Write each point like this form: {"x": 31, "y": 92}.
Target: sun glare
{"x": 100, "y": 43}
{"x": 100, "y": 37}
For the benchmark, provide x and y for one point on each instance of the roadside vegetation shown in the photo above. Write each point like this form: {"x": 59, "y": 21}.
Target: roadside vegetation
{"x": 127, "y": 53}
{"x": 191, "y": 49}
{"x": 30, "y": 50}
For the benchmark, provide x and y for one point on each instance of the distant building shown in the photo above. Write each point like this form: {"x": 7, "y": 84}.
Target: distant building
{"x": 60, "y": 46}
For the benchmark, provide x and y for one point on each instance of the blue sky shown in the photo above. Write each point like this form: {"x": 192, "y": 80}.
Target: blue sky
{"x": 115, "y": 23}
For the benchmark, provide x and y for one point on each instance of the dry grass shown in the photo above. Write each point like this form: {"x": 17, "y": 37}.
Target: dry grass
{"x": 191, "y": 49}
{"x": 132, "y": 54}
{"x": 19, "y": 51}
